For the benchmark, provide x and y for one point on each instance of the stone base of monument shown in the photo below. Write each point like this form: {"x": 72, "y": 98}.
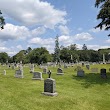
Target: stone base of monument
{"x": 50, "y": 94}
{"x": 60, "y": 73}
{"x": 19, "y": 76}
{"x": 37, "y": 78}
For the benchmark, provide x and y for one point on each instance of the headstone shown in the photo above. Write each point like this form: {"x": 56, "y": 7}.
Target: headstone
{"x": 45, "y": 70}
{"x": 59, "y": 71}
{"x": 19, "y": 74}
{"x": 50, "y": 87}
{"x": 31, "y": 68}
{"x": 13, "y": 66}
{"x": 4, "y": 72}
{"x": 37, "y": 76}
{"x": 103, "y": 73}
{"x": 94, "y": 70}
{"x": 88, "y": 67}
{"x": 80, "y": 73}
{"x": 65, "y": 66}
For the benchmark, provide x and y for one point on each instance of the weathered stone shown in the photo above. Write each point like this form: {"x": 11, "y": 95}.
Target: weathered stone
{"x": 37, "y": 76}
{"x": 19, "y": 74}
{"x": 59, "y": 71}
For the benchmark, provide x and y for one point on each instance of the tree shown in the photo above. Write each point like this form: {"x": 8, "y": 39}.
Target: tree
{"x": 39, "y": 55}
{"x": 2, "y": 21}
{"x": 84, "y": 47}
{"x": 28, "y": 50}
{"x": 19, "y": 56}
{"x": 3, "y": 57}
{"x": 104, "y": 14}
{"x": 72, "y": 47}
{"x": 57, "y": 50}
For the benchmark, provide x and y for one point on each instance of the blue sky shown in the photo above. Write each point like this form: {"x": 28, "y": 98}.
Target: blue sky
{"x": 35, "y": 23}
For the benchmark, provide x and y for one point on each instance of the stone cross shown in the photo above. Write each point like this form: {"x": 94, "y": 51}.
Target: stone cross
{"x": 49, "y": 73}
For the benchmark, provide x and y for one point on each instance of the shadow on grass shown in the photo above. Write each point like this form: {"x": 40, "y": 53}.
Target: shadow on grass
{"x": 91, "y": 79}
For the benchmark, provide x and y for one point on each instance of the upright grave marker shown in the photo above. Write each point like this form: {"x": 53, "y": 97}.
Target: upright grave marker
{"x": 59, "y": 71}
{"x": 103, "y": 73}
{"x": 37, "y": 76}
{"x": 50, "y": 86}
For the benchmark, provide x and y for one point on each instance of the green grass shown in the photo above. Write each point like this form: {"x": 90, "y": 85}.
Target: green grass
{"x": 74, "y": 93}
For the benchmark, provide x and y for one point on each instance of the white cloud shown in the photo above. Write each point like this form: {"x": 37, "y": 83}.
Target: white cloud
{"x": 107, "y": 41}
{"x": 83, "y": 36}
{"x": 11, "y": 32}
{"x": 64, "y": 30}
{"x": 95, "y": 30}
{"x": 38, "y": 31}
{"x": 19, "y": 47}
{"x": 41, "y": 41}
{"x": 96, "y": 47}
{"x": 33, "y": 12}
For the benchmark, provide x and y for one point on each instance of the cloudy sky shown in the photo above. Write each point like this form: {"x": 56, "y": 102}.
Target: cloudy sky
{"x": 35, "y": 23}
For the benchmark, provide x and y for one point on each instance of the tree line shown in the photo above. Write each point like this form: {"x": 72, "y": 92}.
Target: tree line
{"x": 67, "y": 54}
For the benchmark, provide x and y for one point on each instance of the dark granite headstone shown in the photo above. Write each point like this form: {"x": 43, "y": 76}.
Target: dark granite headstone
{"x": 80, "y": 73}
{"x": 103, "y": 73}
{"x": 88, "y": 67}
{"x": 50, "y": 87}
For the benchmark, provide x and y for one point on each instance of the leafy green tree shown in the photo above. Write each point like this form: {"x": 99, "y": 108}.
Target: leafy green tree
{"x": 3, "y": 57}
{"x": 39, "y": 55}
{"x": 72, "y": 47}
{"x": 28, "y": 50}
{"x": 104, "y": 14}
{"x": 2, "y": 21}
{"x": 19, "y": 56}
{"x": 65, "y": 55}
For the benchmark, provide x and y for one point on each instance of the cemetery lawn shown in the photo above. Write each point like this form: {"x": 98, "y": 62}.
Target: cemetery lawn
{"x": 74, "y": 93}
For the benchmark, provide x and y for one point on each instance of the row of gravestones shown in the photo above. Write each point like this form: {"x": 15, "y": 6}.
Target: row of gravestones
{"x": 49, "y": 83}
{"x": 36, "y": 75}
{"x": 103, "y": 74}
